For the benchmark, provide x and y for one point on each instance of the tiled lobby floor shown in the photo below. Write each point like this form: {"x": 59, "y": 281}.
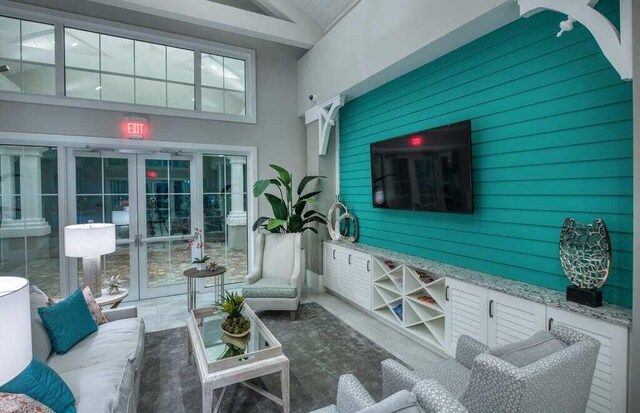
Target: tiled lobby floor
{"x": 171, "y": 312}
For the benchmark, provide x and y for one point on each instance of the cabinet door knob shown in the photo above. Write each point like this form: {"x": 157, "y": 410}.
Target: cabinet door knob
{"x": 368, "y": 265}
{"x": 334, "y": 254}
{"x": 491, "y": 308}
{"x": 349, "y": 259}
{"x": 549, "y": 324}
{"x": 446, "y": 293}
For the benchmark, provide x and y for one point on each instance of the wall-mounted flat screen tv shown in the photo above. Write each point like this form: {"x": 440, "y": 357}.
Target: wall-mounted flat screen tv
{"x": 424, "y": 171}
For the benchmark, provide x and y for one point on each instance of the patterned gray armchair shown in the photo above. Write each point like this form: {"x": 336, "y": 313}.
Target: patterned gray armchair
{"x": 477, "y": 381}
{"x": 354, "y": 398}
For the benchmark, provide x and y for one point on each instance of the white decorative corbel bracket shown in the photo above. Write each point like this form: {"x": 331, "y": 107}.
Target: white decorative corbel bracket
{"x": 325, "y": 114}
{"x": 615, "y": 45}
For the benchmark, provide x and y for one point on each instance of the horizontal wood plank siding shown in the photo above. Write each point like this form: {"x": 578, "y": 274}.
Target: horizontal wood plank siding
{"x": 552, "y": 138}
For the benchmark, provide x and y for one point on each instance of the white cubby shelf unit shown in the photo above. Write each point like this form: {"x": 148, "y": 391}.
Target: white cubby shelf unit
{"x": 410, "y": 298}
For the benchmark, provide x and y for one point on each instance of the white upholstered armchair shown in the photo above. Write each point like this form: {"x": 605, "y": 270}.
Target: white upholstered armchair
{"x": 277, "y": 277}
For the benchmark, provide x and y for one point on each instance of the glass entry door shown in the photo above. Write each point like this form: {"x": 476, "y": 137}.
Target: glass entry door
{"x": 149, "y": 200}
{"x": 165, "y": 211}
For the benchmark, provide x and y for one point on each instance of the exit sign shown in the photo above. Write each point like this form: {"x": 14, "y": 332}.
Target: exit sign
{"x": 135, "y": 127}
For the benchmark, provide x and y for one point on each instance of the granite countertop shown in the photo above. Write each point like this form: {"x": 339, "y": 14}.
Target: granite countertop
{"x": 608, "y": 312}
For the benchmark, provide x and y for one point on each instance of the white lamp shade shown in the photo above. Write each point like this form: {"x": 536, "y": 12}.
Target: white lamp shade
{"x": 15, "y": 327}
{"x": 89, "y": 240}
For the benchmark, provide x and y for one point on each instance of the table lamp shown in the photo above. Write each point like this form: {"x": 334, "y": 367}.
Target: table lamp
{"x": 15, "y": 327}
{"x": 89, "y": 242}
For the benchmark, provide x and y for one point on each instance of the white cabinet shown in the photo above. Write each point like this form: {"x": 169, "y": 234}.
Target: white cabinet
{"x": 466, "y": 312}
{"x": 331, "y": 268}
{"x": 609, "y": 387}
{"x": 348, "y": 273}
{"x": 513, "y": 319}
{"x": 492, "y": 318}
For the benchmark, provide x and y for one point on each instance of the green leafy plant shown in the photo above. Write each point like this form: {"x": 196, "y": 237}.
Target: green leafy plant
{"x": 237, "y": 325}
{"x": 232, "y": 304}
{"x": 200, "y": 260}
{"x": 288, "y": 216}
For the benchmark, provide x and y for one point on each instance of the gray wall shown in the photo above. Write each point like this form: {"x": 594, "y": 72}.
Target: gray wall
{"x": 323, "y": 166}
{"x": 279, "y": 134}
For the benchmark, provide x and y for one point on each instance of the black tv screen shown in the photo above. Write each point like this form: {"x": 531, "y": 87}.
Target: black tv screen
{"x": 424, "y": 171}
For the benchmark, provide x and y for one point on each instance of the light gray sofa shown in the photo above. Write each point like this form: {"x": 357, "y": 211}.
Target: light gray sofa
{"x": 277, "y": 278}
{"x": 103, "y": 370}
{"x": 352, "y": 397}
{"x": 478, "y": 381}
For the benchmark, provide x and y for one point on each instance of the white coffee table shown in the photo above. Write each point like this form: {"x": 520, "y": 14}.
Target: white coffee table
{"x": 223, "y": 360}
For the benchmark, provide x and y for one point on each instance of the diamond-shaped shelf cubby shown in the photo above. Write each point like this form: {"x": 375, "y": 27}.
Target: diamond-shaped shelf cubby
{"x": 424, "y": 333}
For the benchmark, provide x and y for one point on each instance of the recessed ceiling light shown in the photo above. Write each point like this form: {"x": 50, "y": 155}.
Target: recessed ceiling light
{"x": 73, "y": 44}
{"x": 98, "y": 87}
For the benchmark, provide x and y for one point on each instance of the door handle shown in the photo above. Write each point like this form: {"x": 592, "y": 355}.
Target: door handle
{"x": 368, "y": 265}
{"x": 334, "y": 254}
{"x": 349, "y": 259}
{"x": 490, "y": 308}
{"x": 446, "y": 293}
{"x": 549, "y": 324}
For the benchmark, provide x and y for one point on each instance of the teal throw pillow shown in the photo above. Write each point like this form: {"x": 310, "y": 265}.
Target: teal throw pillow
{"x": 41, "y": 383}
{"x": 68, "y": 322}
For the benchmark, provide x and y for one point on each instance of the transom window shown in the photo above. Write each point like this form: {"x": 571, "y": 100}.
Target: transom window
{"x": 119, "y": 70}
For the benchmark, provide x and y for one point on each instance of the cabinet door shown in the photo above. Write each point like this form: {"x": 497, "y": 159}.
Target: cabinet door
{"x": 360, "y": 274}
{"x": 609, "y": 386}
{"x": 343, "y": 281}
{"x": 513, "y": 319}
{"x": 465, "y": 313}
{"x": 331, "y": 266}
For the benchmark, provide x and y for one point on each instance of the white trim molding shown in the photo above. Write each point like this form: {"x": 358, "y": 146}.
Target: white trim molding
{"x": 326, "y": 114}
{"x": 615, "y": 45}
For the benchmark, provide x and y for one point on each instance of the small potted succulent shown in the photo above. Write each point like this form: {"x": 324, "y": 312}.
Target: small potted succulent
{"x": 197, "y": 242}
{"x": 235, "y": 324}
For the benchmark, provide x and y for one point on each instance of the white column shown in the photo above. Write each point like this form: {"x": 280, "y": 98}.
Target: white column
{"x": 237, "y": 216}
{"x": 31, "y": 222}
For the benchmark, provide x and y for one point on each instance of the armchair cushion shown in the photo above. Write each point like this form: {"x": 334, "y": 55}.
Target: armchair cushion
{"x": 525, "y": 352}
{"x": 400, "y": 402}
{"x": 270, "y": 288}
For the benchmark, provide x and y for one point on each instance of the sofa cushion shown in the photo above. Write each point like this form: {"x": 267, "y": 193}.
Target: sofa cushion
{"x": 68, "y": 322}
{"x": 40, "y": 340}
{"x": 452, "y": 375}
{"x": 270, "y": 288}
{"x": 278, "y": 256}
{"x": 523, "y": 353}
{"x": 102, "y": 387}
{"x": 41, "y": 383}
{"x": 114, "y": 342}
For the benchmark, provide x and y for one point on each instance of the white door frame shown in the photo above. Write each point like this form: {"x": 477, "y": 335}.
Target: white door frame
{"x": 64, "y": 142}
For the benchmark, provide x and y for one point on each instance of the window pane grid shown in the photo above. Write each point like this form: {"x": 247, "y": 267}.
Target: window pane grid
{"x": 27, "y": 48}
{"x": 110, "y": 68}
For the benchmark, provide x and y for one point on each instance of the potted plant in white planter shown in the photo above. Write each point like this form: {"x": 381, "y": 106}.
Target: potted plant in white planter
{"x": 288, "y": 216}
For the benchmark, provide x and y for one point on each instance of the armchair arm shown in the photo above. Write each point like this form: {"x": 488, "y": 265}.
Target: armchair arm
{"x": 253, "y": 276}
{"x": 468, "y": 349}
{"x": 352, "y": 396}
{"x": 504, "y": 382}
{"x": 434, "y": 398}
{"x": 121, "y": 313}
{"x": 396, "y": 377}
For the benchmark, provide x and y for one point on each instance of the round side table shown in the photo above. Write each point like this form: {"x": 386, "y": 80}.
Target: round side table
{"x": 113, "y": 300}
{"x": 192, "y": 275}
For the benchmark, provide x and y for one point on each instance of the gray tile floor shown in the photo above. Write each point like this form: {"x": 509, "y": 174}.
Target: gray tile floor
{"x": 171, "y": 312}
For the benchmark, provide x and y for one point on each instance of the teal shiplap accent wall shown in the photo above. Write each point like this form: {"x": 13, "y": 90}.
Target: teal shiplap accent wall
{"x": 552, "y": 138}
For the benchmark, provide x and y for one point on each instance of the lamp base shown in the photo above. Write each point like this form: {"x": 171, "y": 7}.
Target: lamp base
{"x": 591, "y": 298}
{"x": 92, "y": 274}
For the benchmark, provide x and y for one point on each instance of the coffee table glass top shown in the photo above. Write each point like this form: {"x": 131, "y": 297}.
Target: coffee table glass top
{"x": 225, "y": 351}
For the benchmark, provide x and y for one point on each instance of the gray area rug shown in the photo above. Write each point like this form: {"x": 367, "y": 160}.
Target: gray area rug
{"x": 320, "y": 348}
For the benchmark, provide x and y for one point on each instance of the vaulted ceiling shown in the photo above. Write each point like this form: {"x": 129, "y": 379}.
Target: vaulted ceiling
{"x": 300, "y": 23}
